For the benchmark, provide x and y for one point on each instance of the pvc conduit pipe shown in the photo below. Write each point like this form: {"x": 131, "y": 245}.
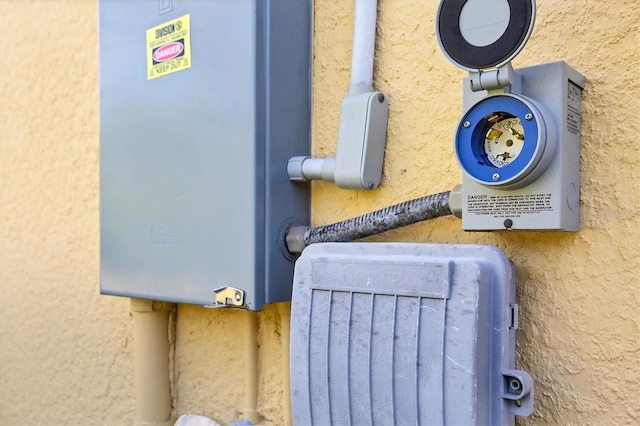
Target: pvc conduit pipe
{"x": 364, "y": 42}
{"x": 250, "y": 411}
{"x": 284, "y": 309}
{"x": 305, "y": 169}
{"x": 151, "y": 376}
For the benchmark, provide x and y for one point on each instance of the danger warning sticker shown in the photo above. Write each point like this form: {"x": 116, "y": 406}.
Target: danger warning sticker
{"x": 168, "y": 48}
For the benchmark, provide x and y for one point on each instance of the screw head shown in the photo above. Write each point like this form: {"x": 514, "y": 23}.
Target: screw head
{"x": 508, "y": 223}
{"x": 496, "y": 177}
{"x": 466, "y": 124}
{"x": 238, "y": 296}
{"x": 514, "y": 384}
{"x": 371, "y": 185}
{"x": 528, "y": 116}
{"x": 380, "y": 97}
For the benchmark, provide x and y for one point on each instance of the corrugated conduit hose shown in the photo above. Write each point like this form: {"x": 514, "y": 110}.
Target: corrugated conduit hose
{"x": 376, "y": 222}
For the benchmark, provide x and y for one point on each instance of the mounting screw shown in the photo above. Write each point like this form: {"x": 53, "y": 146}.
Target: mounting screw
{"x": 380, "y": 97}
{"x": 496, "y": 177}
{"x": 466, "y": 124}
{"x": 508, "y": 224}
{"x": 371, "y": 185}
{"x": 238, "y": 296}
{"x": 528, "y": 116}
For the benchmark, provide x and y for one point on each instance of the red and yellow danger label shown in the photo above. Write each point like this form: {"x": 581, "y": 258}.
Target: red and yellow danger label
{"x": 168, "y": 48}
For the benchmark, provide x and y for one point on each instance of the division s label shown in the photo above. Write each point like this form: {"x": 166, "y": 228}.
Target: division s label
{"x": 168, "y": 47}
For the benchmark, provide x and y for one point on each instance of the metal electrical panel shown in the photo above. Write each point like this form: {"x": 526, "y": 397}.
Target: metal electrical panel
{"x": 202, "y": 103}
{"x": 398, "y": 333}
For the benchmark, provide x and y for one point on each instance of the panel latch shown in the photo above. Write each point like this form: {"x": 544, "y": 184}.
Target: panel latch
{"x": 228, "y": 297}
{"x": 517, "y": 391}
{"x": 513, "y": 316}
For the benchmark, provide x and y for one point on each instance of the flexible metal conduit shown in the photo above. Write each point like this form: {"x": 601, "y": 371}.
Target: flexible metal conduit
{"x": 373, "y": 223}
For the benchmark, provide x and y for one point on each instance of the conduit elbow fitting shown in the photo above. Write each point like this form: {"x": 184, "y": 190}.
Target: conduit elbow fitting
{"x": 362, "y": 138}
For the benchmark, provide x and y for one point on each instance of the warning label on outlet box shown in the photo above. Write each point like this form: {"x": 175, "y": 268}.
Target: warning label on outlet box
{"x": 574, "y": 95}
{"x": 168, "y": 48}
{"x": 508, "y": 205}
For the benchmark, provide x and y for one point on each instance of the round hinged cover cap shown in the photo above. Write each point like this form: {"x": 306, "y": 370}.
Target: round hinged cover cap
{"x": 480, "y": 34}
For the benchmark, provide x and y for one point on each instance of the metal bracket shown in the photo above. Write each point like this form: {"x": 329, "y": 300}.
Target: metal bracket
{"x": 492, "y": 79}
{"x": 513, "y": 316}
{"x": 228, "y": 297}
{"x": 517, "y": 391}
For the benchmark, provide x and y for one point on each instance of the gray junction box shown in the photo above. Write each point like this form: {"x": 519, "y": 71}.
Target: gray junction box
{"x": 202, "y": 103}
{"x": 552, "y": 202}
{"x": 399, "y": 333}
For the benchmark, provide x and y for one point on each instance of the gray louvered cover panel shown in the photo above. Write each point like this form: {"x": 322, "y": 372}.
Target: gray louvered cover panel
{"x": 392, "y": 333}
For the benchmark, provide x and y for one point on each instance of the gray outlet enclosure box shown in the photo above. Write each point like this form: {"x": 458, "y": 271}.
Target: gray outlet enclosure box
{"x": 398, "y": 333}
{"x": 552, "y": 202}
{"x": 194, "y": 191}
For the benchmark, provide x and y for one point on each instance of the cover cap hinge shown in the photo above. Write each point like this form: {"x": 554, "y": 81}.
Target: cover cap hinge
{"x": 492, "y": 79}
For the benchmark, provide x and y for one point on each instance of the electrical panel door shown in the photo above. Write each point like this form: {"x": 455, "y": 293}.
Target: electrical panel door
{"x": 202, "y": 103}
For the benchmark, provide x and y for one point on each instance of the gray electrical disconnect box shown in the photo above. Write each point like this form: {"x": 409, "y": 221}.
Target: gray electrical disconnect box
{"x": 551, "y": 201}
{"x": 398, "y": 333}
{"x": 518, "y": 142}
{"x": 202, "y": 103}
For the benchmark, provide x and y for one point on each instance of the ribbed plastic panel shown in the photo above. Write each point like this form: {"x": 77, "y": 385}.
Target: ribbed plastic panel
{"x": 402, "y": 334}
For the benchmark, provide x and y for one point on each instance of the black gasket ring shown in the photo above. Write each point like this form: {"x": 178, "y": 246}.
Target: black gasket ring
{"x": 498, "y": 52}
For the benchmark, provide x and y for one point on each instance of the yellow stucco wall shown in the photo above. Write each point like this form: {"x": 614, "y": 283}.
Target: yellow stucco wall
{"x": 66, "y": 352}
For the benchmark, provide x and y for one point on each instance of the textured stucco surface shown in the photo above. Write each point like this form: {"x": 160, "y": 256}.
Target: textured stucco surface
{"x": 66, "y": 352}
